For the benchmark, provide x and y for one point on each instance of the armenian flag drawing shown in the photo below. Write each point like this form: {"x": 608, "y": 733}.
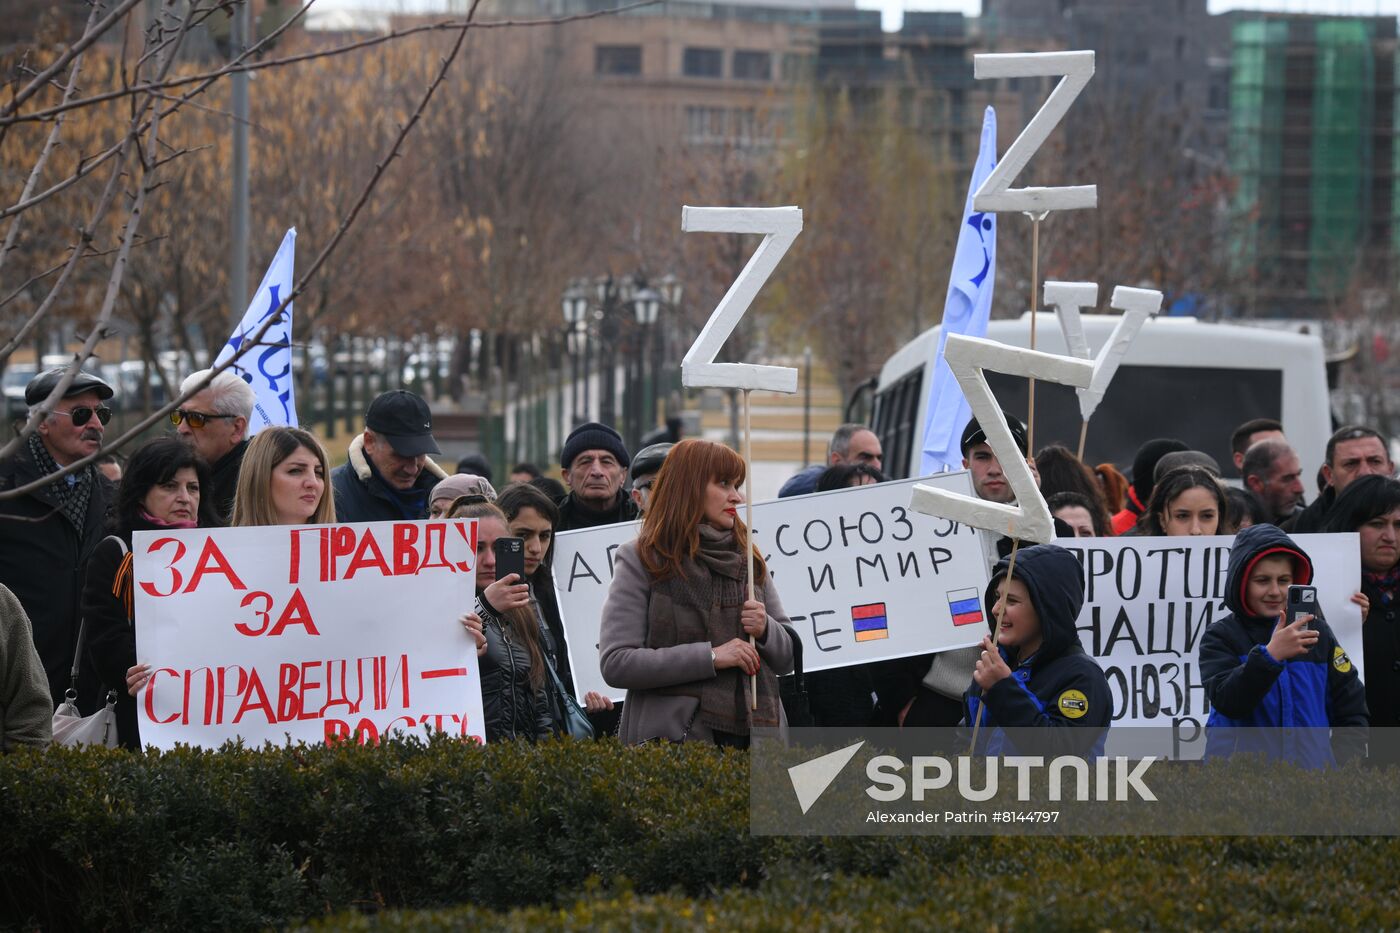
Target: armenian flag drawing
{"x": 965, "y": 606}
{"x": 870, "y": 622}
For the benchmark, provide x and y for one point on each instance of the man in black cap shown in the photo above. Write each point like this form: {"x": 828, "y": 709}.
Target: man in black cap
{"x": 645, "y": 466}
{"x": 47, "y": 534}
{"x": 594, "y": 462}
{"x": 388, "y": 475}
{"x": 988, "y": 480}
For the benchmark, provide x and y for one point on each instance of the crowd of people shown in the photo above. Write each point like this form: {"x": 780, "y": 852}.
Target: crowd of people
{"x": 693, "y": 628}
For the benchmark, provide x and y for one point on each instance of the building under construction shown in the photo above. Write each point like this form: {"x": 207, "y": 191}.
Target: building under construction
{"x": 1312, "y": 149}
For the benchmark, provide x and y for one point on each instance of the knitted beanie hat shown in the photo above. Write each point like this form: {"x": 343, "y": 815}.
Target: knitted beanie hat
{"x": 593, "y": 436}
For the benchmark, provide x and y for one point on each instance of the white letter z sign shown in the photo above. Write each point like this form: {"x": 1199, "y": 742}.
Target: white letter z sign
{"x": 996, "y": 193}
{"x": 780, "y": 226}
{"x": 1029, "y": 519}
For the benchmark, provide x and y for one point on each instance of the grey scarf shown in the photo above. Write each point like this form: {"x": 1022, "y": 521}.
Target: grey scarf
{"x": 72, "y": 499}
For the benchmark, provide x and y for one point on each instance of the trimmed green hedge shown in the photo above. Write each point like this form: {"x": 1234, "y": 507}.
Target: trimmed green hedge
{"x": 1036, "y": 884}
{"x": 583, "y": 834}
{"x": 108, "y": 839}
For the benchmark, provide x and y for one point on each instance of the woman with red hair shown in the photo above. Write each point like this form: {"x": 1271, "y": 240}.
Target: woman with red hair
{"x": 677, "y": 623}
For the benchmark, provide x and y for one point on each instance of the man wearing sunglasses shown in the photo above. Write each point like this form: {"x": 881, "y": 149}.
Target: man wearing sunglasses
{"x": 215, "y": 421}
{"x": 46, "y": 535}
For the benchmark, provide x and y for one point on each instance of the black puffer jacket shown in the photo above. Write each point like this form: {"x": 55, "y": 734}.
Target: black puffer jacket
{"x": 513, "y": 709}
{"x": 1380, "y": 640}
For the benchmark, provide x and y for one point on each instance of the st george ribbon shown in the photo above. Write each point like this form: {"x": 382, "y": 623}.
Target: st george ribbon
{"x": 267, "y": 367}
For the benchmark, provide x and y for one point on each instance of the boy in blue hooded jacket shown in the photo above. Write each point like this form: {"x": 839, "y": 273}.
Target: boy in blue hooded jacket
{"x": 1035, "y": 674}
{"x": 1277, "y": 689}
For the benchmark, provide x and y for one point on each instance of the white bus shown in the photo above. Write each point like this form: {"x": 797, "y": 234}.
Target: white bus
{"x": 1182, "y": 378}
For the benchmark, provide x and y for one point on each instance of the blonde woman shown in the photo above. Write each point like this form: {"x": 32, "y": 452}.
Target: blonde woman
{"x": 283, "y": 481}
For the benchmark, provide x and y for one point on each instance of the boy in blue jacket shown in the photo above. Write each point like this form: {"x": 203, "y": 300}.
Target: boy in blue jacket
{"x": 1035, "y": 674}
{"x": 1277, "y": 689}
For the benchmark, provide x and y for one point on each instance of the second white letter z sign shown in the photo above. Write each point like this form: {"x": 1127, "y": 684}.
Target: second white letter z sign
{"x": 1029, "y": 518}
{"x": 780, "y": 226}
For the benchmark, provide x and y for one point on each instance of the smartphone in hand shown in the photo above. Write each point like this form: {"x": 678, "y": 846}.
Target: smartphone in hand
{"x": 1302, "y": 601}
{"x": 510, "y": 558}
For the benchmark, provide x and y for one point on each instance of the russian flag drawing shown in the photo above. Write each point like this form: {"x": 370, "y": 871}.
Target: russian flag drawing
{"x": 870, "y": 622}
{"x": 965, "y": 606}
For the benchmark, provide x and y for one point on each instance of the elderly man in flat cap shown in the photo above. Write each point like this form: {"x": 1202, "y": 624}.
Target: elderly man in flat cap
{"x": 47, "y": 534}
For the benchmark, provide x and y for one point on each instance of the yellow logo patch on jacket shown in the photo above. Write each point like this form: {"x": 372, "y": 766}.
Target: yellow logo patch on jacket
{"x": 1340, "y": 660}
{"x": 1073, "y": 704}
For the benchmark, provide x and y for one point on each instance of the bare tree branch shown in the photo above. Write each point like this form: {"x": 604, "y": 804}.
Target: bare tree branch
{"x": 99, "y": 330}
{"x": 256, "y": 337}
{"x": 91, "y": 254}
{"x": 83, "y": 170}
{"x": 79, "y": 249}
{"x": 86, "y": 167}
{"x": 38, "y": 170}
{"x": 91, "y": 35}
{"x": 237, "y": 65}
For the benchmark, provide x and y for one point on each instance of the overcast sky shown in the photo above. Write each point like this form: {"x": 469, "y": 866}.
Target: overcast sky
{"x": 893, "y": 9}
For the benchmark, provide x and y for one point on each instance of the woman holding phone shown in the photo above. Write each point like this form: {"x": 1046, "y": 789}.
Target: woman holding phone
{"x": 518, "y": 697}
{"x": 532, "y": 517}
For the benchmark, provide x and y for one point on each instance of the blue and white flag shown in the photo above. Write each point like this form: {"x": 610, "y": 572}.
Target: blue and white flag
{"x": 267, "y": 367}
{"x": 965, "y": 311}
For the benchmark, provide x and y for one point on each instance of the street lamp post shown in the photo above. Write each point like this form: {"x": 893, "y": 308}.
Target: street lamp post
{"x": 575, "y": 306}
{"x": 645, "y": 305}
{"x": 605, "y": 301}
{"x": 612, "y": 293}
{"x": 671, "y": 291}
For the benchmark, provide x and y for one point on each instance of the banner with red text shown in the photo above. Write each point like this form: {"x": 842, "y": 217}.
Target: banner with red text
{"x": 306, "y": 632}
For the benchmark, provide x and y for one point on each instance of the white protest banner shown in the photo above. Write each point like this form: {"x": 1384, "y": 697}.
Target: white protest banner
{"x": 267, "y": 367}
{"x": 1148, "y": 601}
{"x": 861, "y": 575}
{"x": 307, "y": 632}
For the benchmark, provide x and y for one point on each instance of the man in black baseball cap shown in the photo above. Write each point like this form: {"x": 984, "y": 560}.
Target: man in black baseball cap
{"x": 388, "y": 474}
{"x": 988, "y": 480}
{"x": 594, "y": 463}
{"x": 42, "y": 554}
